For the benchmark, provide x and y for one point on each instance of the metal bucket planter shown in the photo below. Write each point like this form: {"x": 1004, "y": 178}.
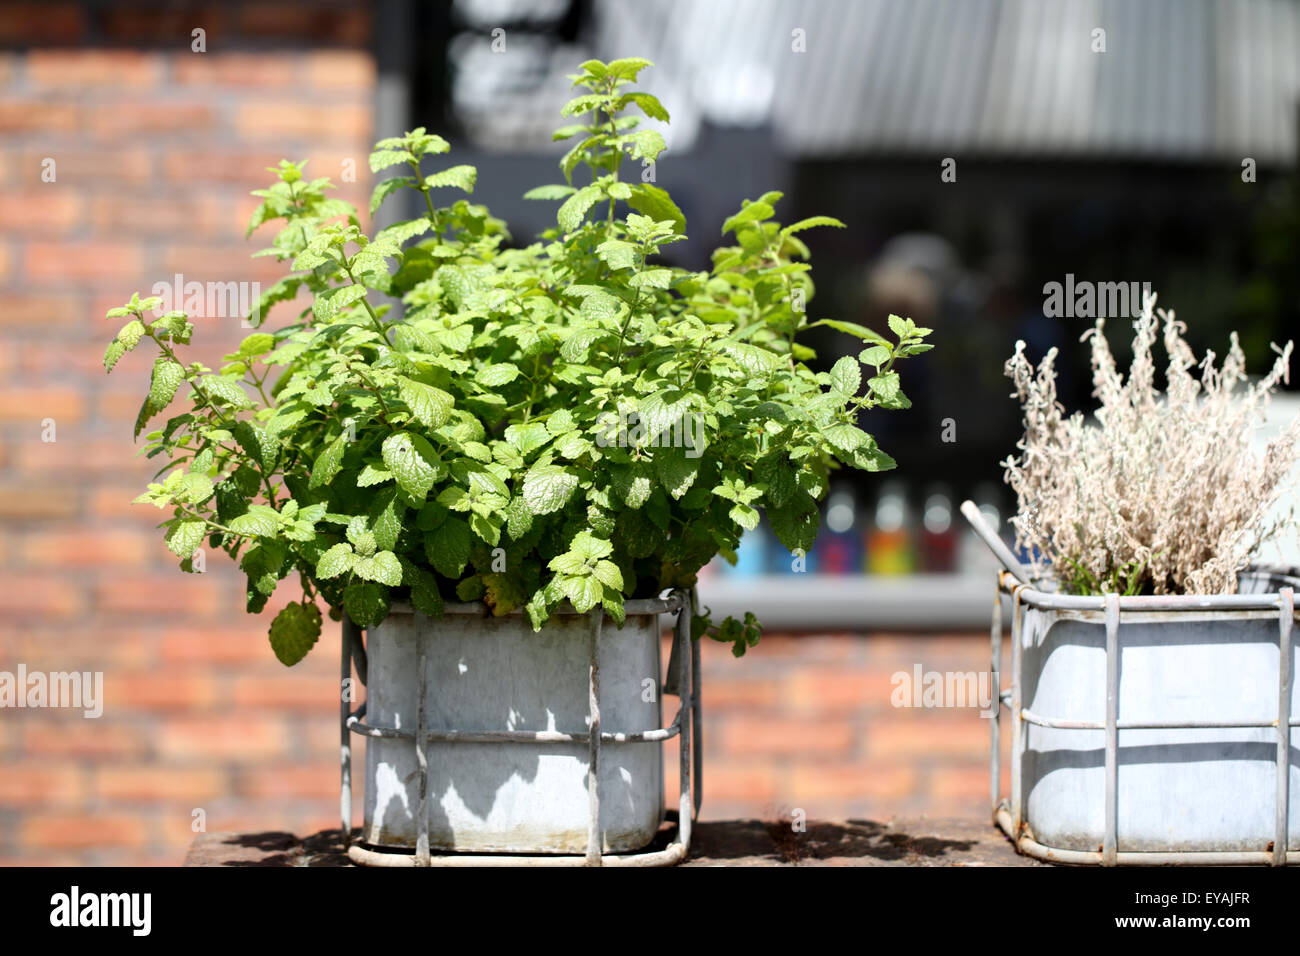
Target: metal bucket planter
{"x": 539, "y": 748}
{"x": 1148, "y": 730}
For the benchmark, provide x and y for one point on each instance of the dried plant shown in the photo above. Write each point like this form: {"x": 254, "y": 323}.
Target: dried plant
{"x": 1163, "y": 492}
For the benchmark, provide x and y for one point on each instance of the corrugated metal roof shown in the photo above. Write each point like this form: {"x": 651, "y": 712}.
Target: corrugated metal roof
{"x": 1180, "y": 79}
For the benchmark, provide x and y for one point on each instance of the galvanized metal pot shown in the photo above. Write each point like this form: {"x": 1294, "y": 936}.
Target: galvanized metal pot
{"x": 514, "y": 723}
{"x": 1148, "y": 729}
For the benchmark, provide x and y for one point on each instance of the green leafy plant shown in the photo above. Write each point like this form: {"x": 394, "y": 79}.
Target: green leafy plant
{"x": 568, "y": 421}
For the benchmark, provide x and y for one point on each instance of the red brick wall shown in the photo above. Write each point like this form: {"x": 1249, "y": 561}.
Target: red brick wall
{"x": 156, "y": 148}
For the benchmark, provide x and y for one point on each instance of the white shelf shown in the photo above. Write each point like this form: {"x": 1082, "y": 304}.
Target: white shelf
{"x": 806, "y": 602}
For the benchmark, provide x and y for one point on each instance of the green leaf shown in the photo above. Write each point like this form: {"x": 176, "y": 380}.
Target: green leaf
{"x": 366, "y": 603}
{"x": 382, "y": 567}
{"x": 413, "y": 462}
{"x": 431, "y": 406}
{"x": 608, "y": 574}
{"x": 225, "y": 390}
{"x": 259, "y": 343}
{"x": 167, "y": 377}
{"x": 334, "y": 562}
{"x": 876, "y": 355}
{"x": 675, "y": 470}
{"x": 448, "y": 547}
{"x": 259, "y": 521}
{"x": 846, "y": 375}
{"x": 550, "y": 192}
{"x": 386, "y": 189}
{"x": 257, "y": 444}
{"x": 295, "y": 631}
{"x": 185, "y": 537}
{"x": 462, "y": 177}
{"x": 809, "y": 223}
{"x": 575, "y": 208}
{"x": 751, "y": 212}
{"x": 852, "y": 328}
{"x": 583, "y": 592}
{"x": 658, "y": 205}
{"x": 548, "y": 489}
{"x": 328, "y": 462}
{"x": 492, "y": 376}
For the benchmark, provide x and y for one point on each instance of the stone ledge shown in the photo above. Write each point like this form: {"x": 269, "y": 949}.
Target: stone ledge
{"x": 903, "y": 842}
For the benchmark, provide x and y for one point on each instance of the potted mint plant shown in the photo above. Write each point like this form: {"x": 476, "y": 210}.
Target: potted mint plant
{"x": 480, "y": 453}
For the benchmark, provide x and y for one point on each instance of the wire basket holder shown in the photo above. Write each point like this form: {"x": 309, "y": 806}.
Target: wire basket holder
{"x": 1015, "y": 580}
{"x": 682, "y": 680}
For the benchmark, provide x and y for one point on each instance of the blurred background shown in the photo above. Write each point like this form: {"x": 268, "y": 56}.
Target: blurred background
{"x": 978, "y": 150}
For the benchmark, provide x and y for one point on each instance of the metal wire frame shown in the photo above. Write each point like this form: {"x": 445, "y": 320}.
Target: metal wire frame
{"x": 1009, "y": 814}
{"x": 683, "y": 680}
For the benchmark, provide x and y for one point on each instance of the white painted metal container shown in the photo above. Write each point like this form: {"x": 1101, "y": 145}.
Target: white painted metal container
{"x": 495, "y": 674}
{"x": 1148, "y": 729}
{"x": 1187, "y": 788}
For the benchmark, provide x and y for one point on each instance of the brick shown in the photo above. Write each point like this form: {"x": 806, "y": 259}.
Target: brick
{"x": 913, "y": 733}
{"x": 169, "y": 217}
{"x": 96, "y": 261}
{"x": 37, "y": 116}
{"x": 150, "y": 783}
{"x": 340, "y": 70}
{"x": 315, "y": 781}
{"x": 50, "y": 211}
{"x": 224, "y": 737}
{"x": 48, "y": 596}
{"x": 173, "y": 593}
{"x": 37, "y": 501}
{"x": 42, "y": 312}
{"x": 966, "y": 784}
{"x": 40, "y": 784}
{"x": 788, "y": 737}
{"x": 114, "y": 501}
{"x": 32, "y": 23}
{"x": 93, "y": 70}
{"x": 30, "y": 406}
{"x": 739, "y": 694}
{"x": 221, "y": 263}
{"x": 63, "y": 831}
{"x": 258, "y": 71}
{"x": 293, "y": 21}
{"x": 158, "y": 690}
{"x": 808, "y": 784}
{"x": 284, "y": 119}
{"x": 79, "y": 737}
{"x": 90, "y": 167}
{"x": 172, "y": 27}
{"x": 74, "y": 455}
{"x": 230, "y": 645}
{"x": 820, "y": 691}
{"x": 149, "y": 118}
{"x": 289, "y": 691}
{"x": 84, "y": 549}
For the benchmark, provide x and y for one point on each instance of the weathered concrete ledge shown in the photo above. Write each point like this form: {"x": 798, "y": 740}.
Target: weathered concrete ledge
{"x": 903, "y": 842}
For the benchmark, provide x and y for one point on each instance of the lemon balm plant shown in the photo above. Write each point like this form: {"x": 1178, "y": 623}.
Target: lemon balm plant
{"x": 452, "y": 418}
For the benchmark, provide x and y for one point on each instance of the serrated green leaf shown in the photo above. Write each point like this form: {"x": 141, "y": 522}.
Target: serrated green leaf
{"x": 448, "y": 547}
{"x": 295, "y": 631}
{"x": 430, "y": 405}
{"x": 548, "y": 489}
{"x": 413, "y": 462}
{"x": 328, "y": 462}
{"x": 334, "y": 562}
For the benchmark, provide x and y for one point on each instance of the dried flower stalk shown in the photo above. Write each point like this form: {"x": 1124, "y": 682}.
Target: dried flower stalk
{"x": 1163, "y": 492}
